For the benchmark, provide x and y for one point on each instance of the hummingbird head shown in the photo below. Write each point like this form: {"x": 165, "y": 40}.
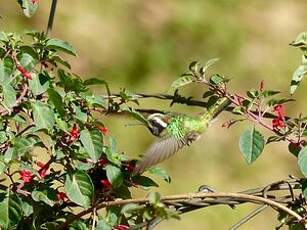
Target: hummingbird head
{"x": 157, "y": 122}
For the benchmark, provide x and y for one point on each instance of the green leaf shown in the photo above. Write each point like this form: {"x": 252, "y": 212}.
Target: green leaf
{"x": 27, "y": 61}
{"x": 144, "y": 181}
{"x": 114, "y": 175}
{"x": 81, "y": 114}
{"x": 135, "y": 114}
{"x": 6, "y": 69}
{"x": 78, "y": 225}
{"x": 30, "y": 50}
{"x": 209, "y": 63}
{"x": 217, "y": 79}
{"x": 46, "y": 196}
{"x": 28, "y": 7}
{"x": 43, "y": 115}
{"x": 154, "y": 197}
{"x": 22, "y": 144}
{"x": 92, "y": 142}
{"x": 251, "y": 145}
{"x": 294, "y": 149}
{"x": 58, "y": 59}
{"x": 10, "y": 210}
{"x": 297, "y": 77}
{"x": 158, "y": 171}
{"x": 182, "y": 81}
{"x": 95, "y": 81}
{"x": 39, "y": 83}
{"x": 9, "y": 95}
{"x": 103, "y": 225}
{"x": 79, "y": 188}
{"x": 300, "y": 41}
{"x": 57, "y": 101}
{"x": 60, "y": 45}
{"x": 302, "y": 160}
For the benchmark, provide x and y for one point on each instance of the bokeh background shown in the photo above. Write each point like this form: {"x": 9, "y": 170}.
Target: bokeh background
{"x": 144, "y": 45}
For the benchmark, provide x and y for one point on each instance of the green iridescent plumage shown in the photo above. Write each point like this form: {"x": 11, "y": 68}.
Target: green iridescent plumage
{"x": 176, "y": 130}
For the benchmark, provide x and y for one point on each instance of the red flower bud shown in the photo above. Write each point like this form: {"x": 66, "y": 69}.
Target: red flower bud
{"x": 26, "y": 176}
{"x": 103, "y": 162}
{"x": 24, "y": 72}
{"x": 34, "y": 1}
{"x": 280, "y": 111}
{"x": 106, "y": 183}
{"x": 104, "y": 130}
{"x": 74, "y": 133}
{"x": 261, "y": 87}
{"x": 121, "y": 227}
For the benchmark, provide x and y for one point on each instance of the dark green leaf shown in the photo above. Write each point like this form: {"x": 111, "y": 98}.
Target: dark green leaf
{"x": 251, "y": 145}
{"x": 10, "y": 210}
{"x": 58, "y": 59}
{"x": 294, "y": 149}
{"x": 114, "y": 175}
{"x": 57, "y": 101}
{"x": 22, "y": 144}
{"x": 217, "y": 79}
{"x": 79, "y": 188}
{"x": 59, "y": 45}
{"x": 144, "y": 181}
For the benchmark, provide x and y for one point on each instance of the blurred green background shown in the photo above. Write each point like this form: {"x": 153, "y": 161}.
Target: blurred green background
{"x": 144, "y": 45}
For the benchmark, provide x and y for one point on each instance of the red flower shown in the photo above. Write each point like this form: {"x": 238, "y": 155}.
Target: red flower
{"x": 106, "y": 183}
{"x": 61, "y": 196}
{"x": 34, "y": 1}
{"x": 104, "y": 130}
{"x": 278, "y": 123}
{"x": 121, "y": 227}
{"x": 24, "y": 72}
{"x": 43, "y": 169}
{"x": 280, "y": 110}
{"x": 74, "y": 133}
{"x": 26, "y": 176}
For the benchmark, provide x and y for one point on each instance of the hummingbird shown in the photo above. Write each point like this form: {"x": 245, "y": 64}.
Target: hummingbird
{"x": 174, "y": 131}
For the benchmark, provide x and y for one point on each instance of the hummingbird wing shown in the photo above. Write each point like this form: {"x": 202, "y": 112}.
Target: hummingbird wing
{"x": 159, "y": 151}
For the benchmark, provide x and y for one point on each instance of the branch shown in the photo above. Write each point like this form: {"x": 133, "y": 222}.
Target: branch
{"x": 188, "y": 202}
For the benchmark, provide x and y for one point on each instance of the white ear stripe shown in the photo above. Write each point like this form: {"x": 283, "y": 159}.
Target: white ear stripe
{"x": 160, "y": 122}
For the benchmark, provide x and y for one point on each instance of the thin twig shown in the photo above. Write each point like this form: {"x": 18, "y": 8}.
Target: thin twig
{"x": 248, "y": 217}
{"x": 51, "y": 17}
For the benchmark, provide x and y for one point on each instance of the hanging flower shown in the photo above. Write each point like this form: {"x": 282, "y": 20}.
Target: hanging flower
{"x": 279, "y": 121}
{"x": 61, "y": 196}
{"x": 34, "y": 1}
{"x": 103, "y": 162}
{"x": 26, "y": 176}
